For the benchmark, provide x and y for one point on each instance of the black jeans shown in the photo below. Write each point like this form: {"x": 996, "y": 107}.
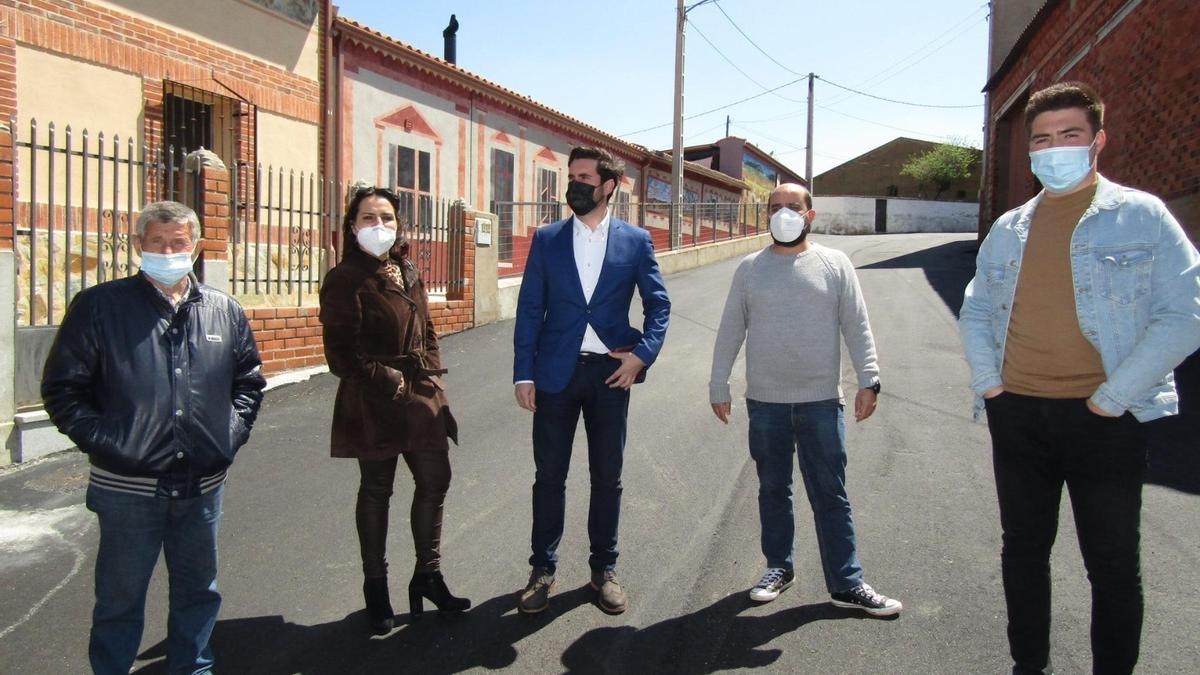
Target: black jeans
{"x": 431, "y": 476}
{"x": 1037, "y": 445}
{"x": 604, "y": 412}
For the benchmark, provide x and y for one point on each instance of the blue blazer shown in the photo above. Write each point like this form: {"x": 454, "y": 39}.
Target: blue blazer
{"x": 552, "y": 313}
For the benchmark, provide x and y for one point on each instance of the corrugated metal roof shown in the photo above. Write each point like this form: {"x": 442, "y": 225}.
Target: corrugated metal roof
{"x": 1019, "y": 46}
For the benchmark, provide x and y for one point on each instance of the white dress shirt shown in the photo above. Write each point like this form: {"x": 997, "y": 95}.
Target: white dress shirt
{"x": 590, "y": 246}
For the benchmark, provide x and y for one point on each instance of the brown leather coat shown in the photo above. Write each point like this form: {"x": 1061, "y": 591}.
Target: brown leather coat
{"x": 379, "y": 338}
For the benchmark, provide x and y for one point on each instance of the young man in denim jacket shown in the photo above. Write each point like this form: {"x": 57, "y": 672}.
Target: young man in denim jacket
{"x": 1084, "y": 300}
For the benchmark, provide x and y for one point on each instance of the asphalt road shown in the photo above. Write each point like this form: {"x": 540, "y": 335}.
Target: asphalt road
{"x": 920, "y": 483}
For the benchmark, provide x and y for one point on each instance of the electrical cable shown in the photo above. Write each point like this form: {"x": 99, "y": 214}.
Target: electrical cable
{"x": 713, "y": 110}
{"x": 892, "y": 100}
{"x": 734, "y": 65}
{"x": 753, "y": 43}
{"x": 900, "y": 65}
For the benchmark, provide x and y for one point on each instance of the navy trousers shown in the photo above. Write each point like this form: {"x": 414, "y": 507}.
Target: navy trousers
{"x": 605, "y": 410}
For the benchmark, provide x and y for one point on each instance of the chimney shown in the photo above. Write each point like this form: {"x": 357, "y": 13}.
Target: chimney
{"x": 448, "y": 36}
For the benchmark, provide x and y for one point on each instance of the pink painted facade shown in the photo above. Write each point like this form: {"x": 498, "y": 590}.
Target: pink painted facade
{"x": 431, "y": 130}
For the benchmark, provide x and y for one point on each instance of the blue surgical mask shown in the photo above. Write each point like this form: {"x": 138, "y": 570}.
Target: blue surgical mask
{"x": 1062, "y": 168}
{"x": 166, "y": 268}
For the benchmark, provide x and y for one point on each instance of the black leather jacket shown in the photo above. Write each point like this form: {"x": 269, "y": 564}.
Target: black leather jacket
{"x": 145, "y": 390}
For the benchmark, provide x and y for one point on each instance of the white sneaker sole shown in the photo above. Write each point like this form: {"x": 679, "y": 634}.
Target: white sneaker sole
{"x": 882, "y": 611}
{"x": 767, "y": 596}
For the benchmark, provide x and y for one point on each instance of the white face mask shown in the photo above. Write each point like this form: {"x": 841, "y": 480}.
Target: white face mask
{"x": 167, "y": 269}
{"x": 787, "y": 226}
{"x": 377, "y": 239}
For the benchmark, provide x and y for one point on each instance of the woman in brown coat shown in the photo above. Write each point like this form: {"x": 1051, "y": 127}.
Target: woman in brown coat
{"x": 379, "y": 340}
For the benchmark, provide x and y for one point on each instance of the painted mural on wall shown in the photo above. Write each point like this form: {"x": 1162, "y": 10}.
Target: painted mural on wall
{"x": 304, "y": 11}
{"x": 761, "y": 177}
{"x": 658, "y": 190}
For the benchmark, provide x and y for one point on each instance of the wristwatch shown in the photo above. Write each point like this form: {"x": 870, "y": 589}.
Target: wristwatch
{"x": 875, "y": 387}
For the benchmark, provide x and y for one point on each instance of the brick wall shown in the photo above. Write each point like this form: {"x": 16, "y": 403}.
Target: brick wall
{"x": 457, "y": 311}
{"x": 7, "y": 212}
{"x": 871, "y": 174}
{"x": 97, "y": 34}
{"x": 214, "y": 213}
{"x": 288, "y": 337}
{"x": 8, "y": 108}
{"x": 1146, "y": 72}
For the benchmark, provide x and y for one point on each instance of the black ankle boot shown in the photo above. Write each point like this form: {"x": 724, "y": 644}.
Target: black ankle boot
{"x": 379, "y": 605}
{"x": 431, "y": 585}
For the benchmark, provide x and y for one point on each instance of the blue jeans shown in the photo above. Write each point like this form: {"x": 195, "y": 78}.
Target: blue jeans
{"x": 133, "y": 529}
{"x": 816, "y": 433}
{"x": 604, "y": 413}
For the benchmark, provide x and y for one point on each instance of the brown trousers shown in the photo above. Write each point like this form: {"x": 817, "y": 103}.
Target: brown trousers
{"x": 431, "y": 476}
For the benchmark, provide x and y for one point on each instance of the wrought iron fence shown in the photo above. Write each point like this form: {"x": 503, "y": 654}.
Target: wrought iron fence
{"x": 279, "y": 235}
{"x": 285, "y": 224}
{"x": 700, "y": 223}
{"x": 435, "y": 230}
{"x": 75, "y": 207}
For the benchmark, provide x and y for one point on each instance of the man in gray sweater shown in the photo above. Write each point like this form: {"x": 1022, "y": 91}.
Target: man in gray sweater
{"x": 790, "y": 302}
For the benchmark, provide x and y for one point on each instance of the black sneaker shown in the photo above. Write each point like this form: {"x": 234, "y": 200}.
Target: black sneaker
{"x": 773, "y": 582}
{"x": 865, "y": 598}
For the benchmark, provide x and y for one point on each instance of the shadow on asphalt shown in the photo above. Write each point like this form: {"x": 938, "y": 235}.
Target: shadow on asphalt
{"x": 483, "y": 637}
{"x": 948, "y": 268}
{"x": 710, "y": 640}
{"x": 1175, "y": 441}
{"x": 713, "y": 639}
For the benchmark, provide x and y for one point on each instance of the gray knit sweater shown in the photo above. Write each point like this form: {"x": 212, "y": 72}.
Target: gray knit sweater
{"x": 790, "y": 310}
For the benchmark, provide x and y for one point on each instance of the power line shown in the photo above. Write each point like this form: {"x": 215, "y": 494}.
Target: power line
{"x": 785, "y": 116}
{"x": 693, "y": 135}
{"x": 892, "y": 100}
{"x": 900, "y": 65}
{"x": 753, "y": 43}
{"x": 713, "y": 110}
{"x": 734, "y": 65}
{"x": 776, "y": 62}
{"x": 768, "y": 137}
{"x": 881, "y": 124}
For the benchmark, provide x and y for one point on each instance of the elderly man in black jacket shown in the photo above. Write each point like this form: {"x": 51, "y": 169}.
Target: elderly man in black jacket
{"x": 157, "y": 379}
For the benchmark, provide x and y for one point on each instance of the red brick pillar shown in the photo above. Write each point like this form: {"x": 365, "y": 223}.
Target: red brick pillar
{"x": 212, "y": 205}
{"x": 8, "y": 188}
{"x": 8, "y": 110}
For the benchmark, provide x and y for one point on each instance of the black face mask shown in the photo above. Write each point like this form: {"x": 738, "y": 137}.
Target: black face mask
{"x": 581, "y": 197}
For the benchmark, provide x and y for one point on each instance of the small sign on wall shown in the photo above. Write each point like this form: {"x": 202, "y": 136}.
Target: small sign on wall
{"x": 483, "y": 231}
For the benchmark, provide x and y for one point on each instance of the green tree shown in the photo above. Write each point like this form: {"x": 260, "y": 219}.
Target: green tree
{"x": 942, "y": 165}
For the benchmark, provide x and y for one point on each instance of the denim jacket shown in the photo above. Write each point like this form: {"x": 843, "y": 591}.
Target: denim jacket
{"x": 1137, "y": 298}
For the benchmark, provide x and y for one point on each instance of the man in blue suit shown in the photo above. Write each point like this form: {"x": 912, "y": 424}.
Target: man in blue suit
{"x": 576, "y": 352}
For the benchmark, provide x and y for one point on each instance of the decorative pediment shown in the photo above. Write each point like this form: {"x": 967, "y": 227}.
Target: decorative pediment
{"x": 502, "y": 137}
{"x": 408, "y": 119}
{"x": 548, "y": 155}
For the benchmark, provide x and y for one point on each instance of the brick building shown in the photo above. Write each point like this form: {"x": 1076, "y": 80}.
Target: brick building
{"x": 876, "y": 173}
{"x": 101, "y": 102}
{"x": 432, "y": 129}
{"x": 1138, "y": 54}
{"x": 740, "y": 159}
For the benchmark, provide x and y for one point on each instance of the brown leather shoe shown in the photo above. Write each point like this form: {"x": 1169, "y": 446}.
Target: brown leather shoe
{"x": 536, "y": 596}
{"x": 609, "y": 594}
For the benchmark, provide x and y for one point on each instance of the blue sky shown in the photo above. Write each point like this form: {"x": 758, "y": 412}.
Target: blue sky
{"x": 612, "y": 65}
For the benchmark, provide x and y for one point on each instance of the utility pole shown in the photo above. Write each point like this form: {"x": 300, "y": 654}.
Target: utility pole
{"x": 677, "y": 135}
{"x": 808, "y": 143}
{"x": 727, "y": 126}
